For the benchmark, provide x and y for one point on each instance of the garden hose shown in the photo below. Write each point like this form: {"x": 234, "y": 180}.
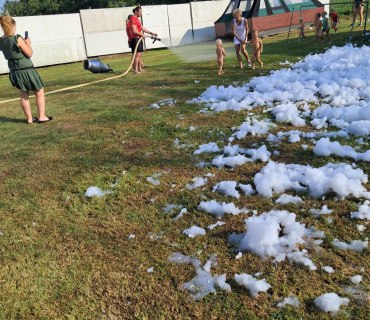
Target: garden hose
{"x": 90, "y": 83}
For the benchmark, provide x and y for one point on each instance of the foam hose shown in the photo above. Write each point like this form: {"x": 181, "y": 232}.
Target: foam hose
{"x": 88, "y": 83}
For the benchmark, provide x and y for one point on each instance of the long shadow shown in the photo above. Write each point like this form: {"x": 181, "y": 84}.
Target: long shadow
{"x": 6, "y": 119}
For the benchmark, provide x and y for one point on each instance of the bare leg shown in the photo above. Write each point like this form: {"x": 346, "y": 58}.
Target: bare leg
{"x": 220, "y": 67}
{"x": 259, "y": 60}
{"x": 25, "y": 104}
{"x": 361, "y": 11}
{"x": 245, "y": 53}
{"x": 238, "y": 56}
{"x": 136, "y": 62}
{"x": 40, "y": 103}
{"x": 355, "y": 10}
{"x": 140, "y": 65}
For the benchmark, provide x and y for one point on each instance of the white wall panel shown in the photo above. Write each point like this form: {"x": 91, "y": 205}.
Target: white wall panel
{"x": 55, "y": 39}
{"x": 179, "y": 18}
{"x": 3, "y": 64}
{"x": 155, "y": 19}
{"x": 204, "y": 14}
{"x": 104, "y": 43}
{"x": 105, "y": 30}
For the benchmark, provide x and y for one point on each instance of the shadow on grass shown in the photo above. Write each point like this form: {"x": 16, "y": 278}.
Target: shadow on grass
{"x": 14, "y": 120}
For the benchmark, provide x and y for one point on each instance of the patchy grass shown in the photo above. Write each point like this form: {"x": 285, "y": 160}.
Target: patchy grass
{"x": 66, "y": 256}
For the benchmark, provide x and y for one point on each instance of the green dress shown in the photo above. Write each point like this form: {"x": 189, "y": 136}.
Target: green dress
{"x": 22, "y": 72}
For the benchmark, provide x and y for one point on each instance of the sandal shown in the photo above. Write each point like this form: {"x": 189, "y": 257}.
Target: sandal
{"x": 43, "y": 121}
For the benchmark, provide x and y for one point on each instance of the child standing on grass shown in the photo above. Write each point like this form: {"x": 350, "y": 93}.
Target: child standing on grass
{"x": 22, "y": 74}
{"x": 318, "y": 26}
{"x": 334, "y": 17}
{"x": 325, "y": 25}
{"x": 301, "y": 29}
{"x": 221, "y": 53}
{"x": 257, "y": 48}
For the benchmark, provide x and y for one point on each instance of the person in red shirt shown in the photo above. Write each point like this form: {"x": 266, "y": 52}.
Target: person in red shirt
{"x": 137, "y": 32}
{"x": 334, "y": 19}
{"x": 128, "y": 29}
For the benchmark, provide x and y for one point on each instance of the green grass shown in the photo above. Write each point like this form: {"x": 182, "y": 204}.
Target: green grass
{"x": 64, "y": 256}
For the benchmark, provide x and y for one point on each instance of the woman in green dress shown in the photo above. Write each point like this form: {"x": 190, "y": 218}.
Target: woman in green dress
{"x": 23, "y": 75}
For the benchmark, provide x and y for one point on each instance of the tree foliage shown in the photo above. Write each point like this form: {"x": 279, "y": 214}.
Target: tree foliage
{"x": 44, "y": 7}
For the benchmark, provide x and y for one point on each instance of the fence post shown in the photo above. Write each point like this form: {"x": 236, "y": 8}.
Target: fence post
{"x": 83, "y": 34}
{"x": 367, "y": 8}
{"x": 192, "y": 23}
{"x": 290, "y": 25}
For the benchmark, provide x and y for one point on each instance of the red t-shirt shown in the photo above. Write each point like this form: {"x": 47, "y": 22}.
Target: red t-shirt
{"x": 136, "y": 22}
{"x": 128, "y": 30}
{"x": 334, "y": 16}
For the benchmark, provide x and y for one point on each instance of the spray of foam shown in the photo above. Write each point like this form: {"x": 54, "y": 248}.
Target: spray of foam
{"x": 196, "y": 52}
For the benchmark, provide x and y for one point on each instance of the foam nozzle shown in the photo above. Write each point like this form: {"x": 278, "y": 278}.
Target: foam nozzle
{"x": 156, "y": 39}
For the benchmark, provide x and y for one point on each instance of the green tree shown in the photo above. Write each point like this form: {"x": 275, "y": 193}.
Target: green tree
{"x": 43, "y": 7}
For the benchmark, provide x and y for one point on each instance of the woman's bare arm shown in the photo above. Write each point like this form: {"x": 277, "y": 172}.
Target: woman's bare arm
{"x": 25, "y": 46}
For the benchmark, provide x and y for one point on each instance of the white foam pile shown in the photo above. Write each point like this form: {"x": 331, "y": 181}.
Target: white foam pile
{"x": 294, "y": 134}
{"x": 181, "y": 213}
{"x": 204, "y": 282}
{"x": 194, "y": 231}
{"x": 323, "y": 210}
{"x": 235, "y": 156}
{"x": 339, "y": 178}
{"x": 218, "y": 209}
{"x": 330, "y": 302}
{"x": 330, "y": 78}
{"x": 154, "y": 179}
{"x": 328, "y": 269}
{"x": 254, "y": 127}
{"x": 356, "y": 245}
{"x": 288, "y": 113}
{"x": 207, "y": 148}
{"x": 215, "y": 225}
{"x": 363, "y": 211}
{"x": 275, "y": 234}
{"x": 228, "y": 188}
{"x": 254, "y": 285}
{"x": 325, "y": 147}
{"x": 286, "y": 198}
{"x": 247, "y": 189}
{"x": 290, "y": 300}
{"x": 197, "y": 183}
{"x": 96, "y": 192}
{"x": 356, "y": 279}
{"x": 360, "y": 227}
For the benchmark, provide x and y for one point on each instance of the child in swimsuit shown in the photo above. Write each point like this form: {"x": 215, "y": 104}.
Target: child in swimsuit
{"x": 221, "y": 53}
{"x": 257, "y": 48}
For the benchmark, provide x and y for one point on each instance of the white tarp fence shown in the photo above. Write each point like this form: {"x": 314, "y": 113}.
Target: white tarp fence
{"x": 55, "y": 39}
{"x": 105, "y": 31}
{"x": 204, "y": 14}
{"x": 67, "y": 38}
{"x": 179, "y": 20}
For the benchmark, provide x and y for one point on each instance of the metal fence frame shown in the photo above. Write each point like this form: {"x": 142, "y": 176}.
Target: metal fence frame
{"x": 327, "y": 4}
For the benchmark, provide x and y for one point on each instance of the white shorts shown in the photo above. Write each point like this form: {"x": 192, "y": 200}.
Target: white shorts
{"x": 236, "y": 41}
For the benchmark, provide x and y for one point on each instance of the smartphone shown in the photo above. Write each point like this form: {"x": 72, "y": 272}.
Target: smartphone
{"x": 26, "y": 35}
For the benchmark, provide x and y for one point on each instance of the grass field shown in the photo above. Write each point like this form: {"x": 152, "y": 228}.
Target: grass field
{"x": 65, "y": 256}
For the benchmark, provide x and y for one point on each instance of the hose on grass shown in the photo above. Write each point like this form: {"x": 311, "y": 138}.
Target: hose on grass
{"x": 88, "y": 83}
